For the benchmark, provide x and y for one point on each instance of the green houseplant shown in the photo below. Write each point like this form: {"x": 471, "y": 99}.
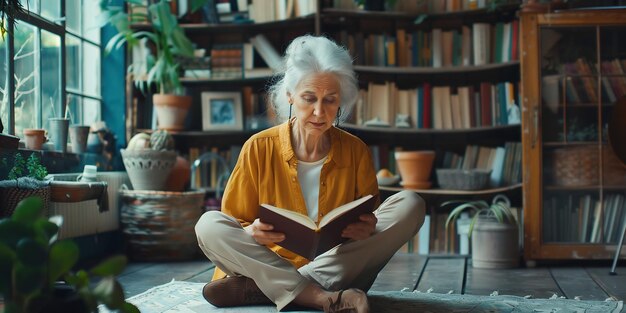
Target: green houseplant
{"x": 163, "y": 36}
{"x": 493, "y": 229}
{"x": 32, "y": 261}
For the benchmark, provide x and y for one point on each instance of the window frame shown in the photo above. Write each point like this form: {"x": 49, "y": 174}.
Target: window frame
{"x": 59, "y": 29}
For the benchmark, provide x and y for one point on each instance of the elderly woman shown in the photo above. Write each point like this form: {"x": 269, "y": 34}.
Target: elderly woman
{"x": 310, "y": 166}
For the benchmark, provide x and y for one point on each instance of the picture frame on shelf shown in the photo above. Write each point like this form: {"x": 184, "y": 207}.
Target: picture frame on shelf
{"x": 222, "y": 111}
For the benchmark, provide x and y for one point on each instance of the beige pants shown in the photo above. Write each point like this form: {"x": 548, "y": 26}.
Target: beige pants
{"x": 353, "y": 264}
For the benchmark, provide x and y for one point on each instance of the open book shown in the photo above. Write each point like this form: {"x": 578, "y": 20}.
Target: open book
{"x": 308, "y": 239}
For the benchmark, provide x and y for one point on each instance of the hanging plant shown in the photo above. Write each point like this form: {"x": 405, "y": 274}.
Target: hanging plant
{"x": 8, "y": 10}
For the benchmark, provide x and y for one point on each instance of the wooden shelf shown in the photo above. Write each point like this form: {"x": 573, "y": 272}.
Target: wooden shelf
{"x": 562, "y": 144}
{"x": 483, "y": 14}
{"x": 224, "y": 138}
{"x": 426, "y": 70}
{"x": 203, "y": 28}
{"x": 410, "y": 77}
{"x": 554, "y": 188}
{"x": 435, "y": 197}
{"x": 449, "y": 192}
{"x": 411, "y": 138}
{"x": 223, "y": 81}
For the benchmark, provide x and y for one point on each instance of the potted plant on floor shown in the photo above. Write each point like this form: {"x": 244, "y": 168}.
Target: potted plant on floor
{"x": 493, "y": 230}
{"x": 168, "y": 41}
{"x": 32, "y": 262}
{"x": 25, "y": 178}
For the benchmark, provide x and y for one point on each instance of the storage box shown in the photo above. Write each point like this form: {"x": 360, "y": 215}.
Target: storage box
{"x": 457, "y": 179}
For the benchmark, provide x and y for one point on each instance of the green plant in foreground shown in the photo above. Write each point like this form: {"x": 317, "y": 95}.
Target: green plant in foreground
{"x": 32, "y": 261}
{"x": 499, "y": 209}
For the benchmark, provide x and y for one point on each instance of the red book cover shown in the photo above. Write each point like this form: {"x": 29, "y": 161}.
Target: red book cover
{"x": 485, "y": 104}
{"x": 427, "y": 117}
{"x": 307, "y": 238}
{"x": 472, "y": 107}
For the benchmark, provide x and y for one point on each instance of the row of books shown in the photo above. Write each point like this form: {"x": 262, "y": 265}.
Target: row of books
{"x": 505, "y": 163}
{"x": 475, "y": 44}
{"x": 581, "y": 83}
{"x": 212, "y": 174}
{"x": 263, "y": 11}
{"x": 584, "y": 218}
{"x": 438, "y": 107}
{"x": 426, "y": 6}
{"x": 227, "y": 61}
{"x": 256, "y": 58}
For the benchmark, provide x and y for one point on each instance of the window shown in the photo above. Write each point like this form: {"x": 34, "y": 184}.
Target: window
{"x": 54, "y": 59}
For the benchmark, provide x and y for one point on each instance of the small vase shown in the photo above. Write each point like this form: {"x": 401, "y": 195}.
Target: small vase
{"x": 415, "y": 168}
{"x": 58, "y": 132}
{"x": 78, "y": 137}
{"x": 34, "y": 138}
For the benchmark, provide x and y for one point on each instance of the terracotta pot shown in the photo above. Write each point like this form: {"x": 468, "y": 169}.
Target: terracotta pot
{"x": 415, "y": 168}
{"x": 171, "y": 110}
{"x": 179, "y": 176}
{"x": 34, "y": 138}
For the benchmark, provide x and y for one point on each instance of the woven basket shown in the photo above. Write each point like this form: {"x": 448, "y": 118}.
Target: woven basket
{"x": 159, "y": 225}
{"x": 148, "y": 169}
{"x": 614, "y": 170}
{"x": 11, "y": 196}
{"x": 575, "y": 166}
{"x": 456, "y": 179}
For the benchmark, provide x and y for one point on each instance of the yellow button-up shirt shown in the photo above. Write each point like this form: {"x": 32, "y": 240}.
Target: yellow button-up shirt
{"x": 266, "y": 172}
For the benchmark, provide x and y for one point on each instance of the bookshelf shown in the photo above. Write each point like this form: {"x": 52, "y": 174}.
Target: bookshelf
{"x": 408, "y": 73}
{"x": 572, "y": 70}
{"x": 372, "y": 37}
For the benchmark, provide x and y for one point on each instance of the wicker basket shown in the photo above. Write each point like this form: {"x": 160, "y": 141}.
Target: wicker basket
{"x": 614, "y": 170}
{"x": 148, "y": 169}
{"x": 575, "y": 166}
{"x": 159, "y": 225}
{"x": 10, "y": 196}
{"x": 456, "y": 179}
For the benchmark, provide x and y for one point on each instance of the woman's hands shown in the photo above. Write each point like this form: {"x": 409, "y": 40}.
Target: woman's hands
{"x": 263, "y": 233}
{"x": 362, "y": 229}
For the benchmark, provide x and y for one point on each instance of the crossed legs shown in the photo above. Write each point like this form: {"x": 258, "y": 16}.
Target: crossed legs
{"x": 354, "y": 264}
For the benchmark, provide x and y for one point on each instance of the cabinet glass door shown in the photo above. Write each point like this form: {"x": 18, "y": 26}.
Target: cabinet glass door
{"x": 583, "y": 182}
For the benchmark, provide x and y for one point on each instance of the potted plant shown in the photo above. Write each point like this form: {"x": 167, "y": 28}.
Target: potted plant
{"x": 25, "y": 178}
{"x": 168, "y": 41}
{"x": 32, "y": 261}
{"x": 493, "y": 230}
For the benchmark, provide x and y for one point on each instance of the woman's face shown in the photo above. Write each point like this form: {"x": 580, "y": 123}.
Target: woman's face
{"x": 315, "y": 102}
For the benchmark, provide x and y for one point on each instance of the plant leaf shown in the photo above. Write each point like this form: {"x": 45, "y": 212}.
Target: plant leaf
{"x": 63, "y": 256}
{"x": 7, "y": 259}
{"x": 46, "y": 229}
{"x": 109, "y": 292}
{"x": 129, "y": 308}
{"x": 31, "y": 252}
{"x": 112, "y": 266}
{"x": 12, "y": 231}
{"x": 28, "y": 279}
{"x": 28, "y": 210}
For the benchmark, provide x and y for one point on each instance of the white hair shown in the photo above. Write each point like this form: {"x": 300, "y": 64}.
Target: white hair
{"x": 308, "y": 55}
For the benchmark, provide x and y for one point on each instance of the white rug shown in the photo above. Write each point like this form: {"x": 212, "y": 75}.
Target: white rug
{"x": 185, "y": 297}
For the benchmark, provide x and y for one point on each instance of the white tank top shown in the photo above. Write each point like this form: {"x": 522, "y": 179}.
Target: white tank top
{"x": 309, "y": 178}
